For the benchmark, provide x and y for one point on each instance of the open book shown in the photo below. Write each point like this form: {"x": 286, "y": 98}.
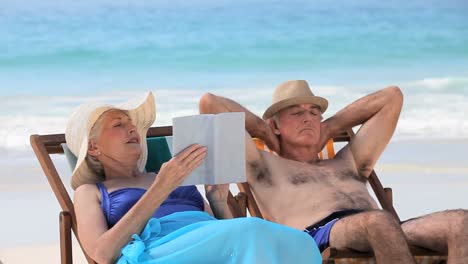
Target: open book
{"x": 224, "y": 136}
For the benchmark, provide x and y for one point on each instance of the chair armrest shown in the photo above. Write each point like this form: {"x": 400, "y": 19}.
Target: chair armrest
{"x": 236, "y": 205}
{"x": 66, "y": 254}
{"x": 420, "y": 251}
{"x": 241, "y": 199}
{"x": 389, "y": 195}
{"x": 331, "y": 252}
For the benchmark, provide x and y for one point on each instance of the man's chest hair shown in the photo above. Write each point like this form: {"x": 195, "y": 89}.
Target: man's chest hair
{"x": 324, "y": 172}
{"x": 321, "y": 172}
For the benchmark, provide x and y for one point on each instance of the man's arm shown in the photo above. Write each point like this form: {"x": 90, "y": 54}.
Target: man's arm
{"x": 255, "y": 126}
{"x": 378, "y": 113}
{"x": 217, "y": 196}
{"x": 212, "y": 104}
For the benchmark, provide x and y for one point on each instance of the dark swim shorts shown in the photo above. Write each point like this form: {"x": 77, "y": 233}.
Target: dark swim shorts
{"x": 320, "y": 231}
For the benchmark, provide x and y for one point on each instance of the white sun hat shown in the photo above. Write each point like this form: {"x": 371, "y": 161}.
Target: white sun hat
{"x": 142, "y": 111}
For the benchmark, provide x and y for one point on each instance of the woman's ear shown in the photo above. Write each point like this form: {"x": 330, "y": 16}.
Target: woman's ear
{"x": 274, "y": 126}
{"x": 93, "y": 150}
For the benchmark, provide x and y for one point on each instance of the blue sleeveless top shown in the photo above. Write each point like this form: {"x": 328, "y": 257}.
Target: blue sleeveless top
{"x": 117, "y": 203}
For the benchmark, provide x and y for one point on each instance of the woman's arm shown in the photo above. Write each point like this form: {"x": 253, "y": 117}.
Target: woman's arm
{"x": 104, "y": 244}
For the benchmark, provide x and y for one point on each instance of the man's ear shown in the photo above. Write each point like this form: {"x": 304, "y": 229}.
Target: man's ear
{"x": 93, "y": 150}
{"x": 274, "y": 126}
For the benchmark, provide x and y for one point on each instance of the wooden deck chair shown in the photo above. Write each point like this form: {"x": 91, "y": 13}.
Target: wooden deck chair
{"x": 383, "y": 195}
{"x": 46, "y": 145}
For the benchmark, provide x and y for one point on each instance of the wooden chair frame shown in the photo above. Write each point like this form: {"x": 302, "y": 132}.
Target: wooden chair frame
{"x": 383, "y": 195}
{"x": 46, "y": 145}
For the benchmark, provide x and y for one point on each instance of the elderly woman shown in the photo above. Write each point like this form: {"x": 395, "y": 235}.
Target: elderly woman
{"x": 127, "y": 214}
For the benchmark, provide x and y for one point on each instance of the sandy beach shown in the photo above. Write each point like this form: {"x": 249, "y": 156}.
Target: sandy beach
{"x": 59, "y": 54}
{"x": 41, "y": 253}
{"x": 426, "y": 176}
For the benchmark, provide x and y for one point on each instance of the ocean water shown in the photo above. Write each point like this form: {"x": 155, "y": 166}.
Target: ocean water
{"x": 55, "y": 55}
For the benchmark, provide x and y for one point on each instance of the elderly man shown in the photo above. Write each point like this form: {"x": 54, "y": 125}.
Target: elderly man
{"x": 329, "y": 199}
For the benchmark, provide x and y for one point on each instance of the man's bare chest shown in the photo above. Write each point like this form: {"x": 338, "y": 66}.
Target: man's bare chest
{"x": 319, "y": 173}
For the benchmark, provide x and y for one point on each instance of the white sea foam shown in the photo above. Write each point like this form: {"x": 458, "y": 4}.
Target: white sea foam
{"x": 427, "y": 112}
{"x": 441, "y": 83}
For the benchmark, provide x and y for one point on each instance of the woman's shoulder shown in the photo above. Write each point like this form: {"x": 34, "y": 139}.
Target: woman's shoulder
{"x": 88, "y": 187}
{"x": 86, "y": 191}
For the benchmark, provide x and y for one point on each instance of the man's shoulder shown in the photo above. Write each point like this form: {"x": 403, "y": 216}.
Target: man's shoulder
{"x": 343, "y": 155}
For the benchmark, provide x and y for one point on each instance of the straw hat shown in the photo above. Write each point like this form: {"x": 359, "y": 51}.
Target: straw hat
{"x": 292, "y": 93}
{"x": 142, "y": 111}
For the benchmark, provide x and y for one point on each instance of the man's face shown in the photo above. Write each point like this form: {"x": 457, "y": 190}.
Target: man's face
{"x": 299, "y": 124}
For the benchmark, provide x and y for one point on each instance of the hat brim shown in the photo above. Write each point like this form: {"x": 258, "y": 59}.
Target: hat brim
{"x": 142, "y": 114}
{"x": 321, "y": 102}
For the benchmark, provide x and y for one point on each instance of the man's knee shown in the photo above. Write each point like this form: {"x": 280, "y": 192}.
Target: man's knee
{"x": 457, "y": 221}
{"x": 362, "y": 230}
{"x": 379, "y": 220}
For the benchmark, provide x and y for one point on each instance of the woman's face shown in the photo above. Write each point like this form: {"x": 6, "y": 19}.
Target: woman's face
{"x": 118, "y": 138}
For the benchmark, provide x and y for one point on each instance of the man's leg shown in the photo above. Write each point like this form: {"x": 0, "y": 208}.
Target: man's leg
{"x": 375, "y": 231}
{"x": 441, "y": 231}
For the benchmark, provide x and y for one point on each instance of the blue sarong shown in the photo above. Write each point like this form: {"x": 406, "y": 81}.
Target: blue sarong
{"x": 197, "y": 237}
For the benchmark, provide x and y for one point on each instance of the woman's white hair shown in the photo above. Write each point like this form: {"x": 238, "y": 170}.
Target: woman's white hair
{"x": 93, "y": 163}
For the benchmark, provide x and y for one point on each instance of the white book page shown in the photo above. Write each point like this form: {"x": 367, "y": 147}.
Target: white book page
{"x": 197, "y": 129}
{"x": 224, "y": 136}
{"x": 229, "y": 165}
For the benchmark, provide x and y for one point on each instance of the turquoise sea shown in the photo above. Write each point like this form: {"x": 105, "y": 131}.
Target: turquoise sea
{"x": 55, "y": 55}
